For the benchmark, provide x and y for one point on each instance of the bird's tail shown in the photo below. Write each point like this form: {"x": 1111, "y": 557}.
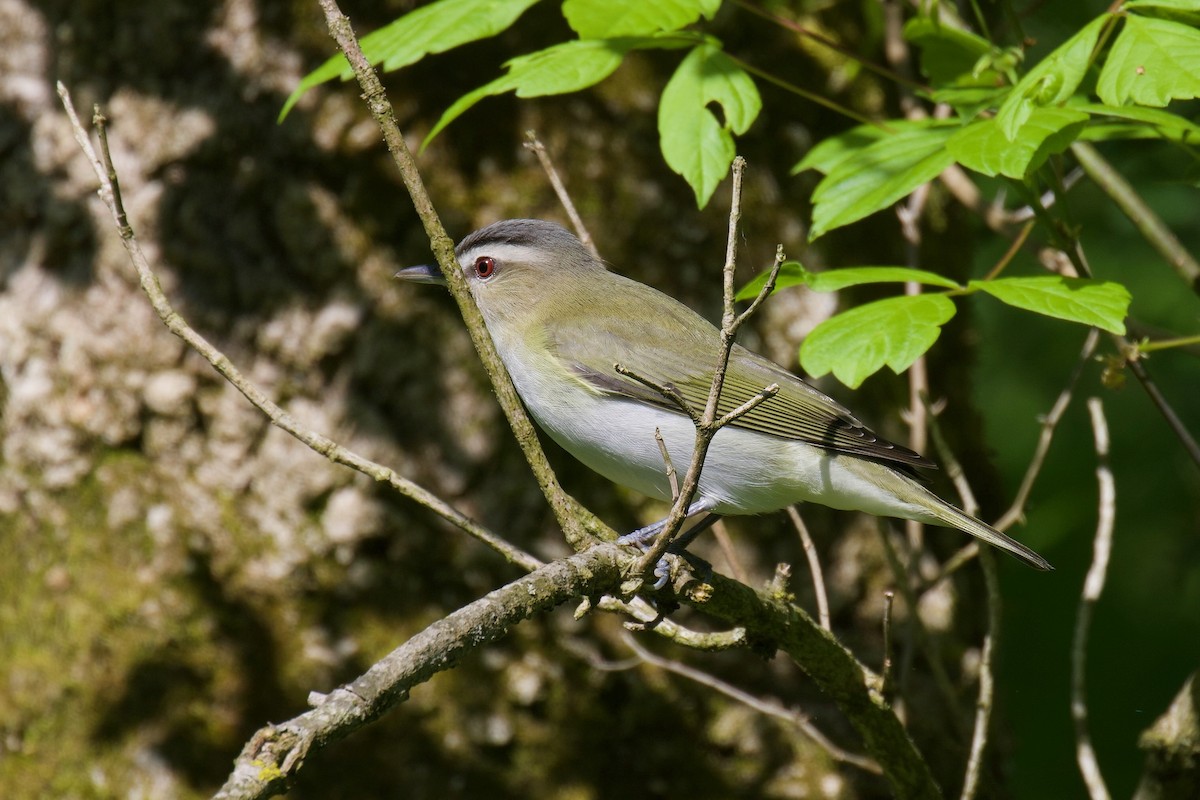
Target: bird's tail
{"x": 925, "y": 506}
{"x": 947, "y": 514}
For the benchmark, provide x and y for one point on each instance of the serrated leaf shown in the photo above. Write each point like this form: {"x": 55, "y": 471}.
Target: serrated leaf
{"x": 792, "y": 273}
{"x": 601, "y": 19}
{"x": 1153, "y": 120}
{"x": 983, "y": 147}
{"x": 948, "y": 54}
{"x": 1152, "y": 62}
{"x": 969, "y": 101}
{"x": 694, "y": 143}
{"x": 1103, "y": 304}
{"x": 1052, "y": 80}
{"x": 434, "y": 28}
{"x": 857, "y": 343}
{"x": 1184, "y": 10}
{"x": 828, "y": 153}
{"x": 1174, "y": 5}
{"x": 833, "y": 280}
{"x": 567, "y": 67}
{"x": 879, "y": 174}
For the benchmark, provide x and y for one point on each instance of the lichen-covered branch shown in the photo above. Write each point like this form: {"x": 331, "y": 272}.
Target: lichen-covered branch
{"x": 272, "y": 758}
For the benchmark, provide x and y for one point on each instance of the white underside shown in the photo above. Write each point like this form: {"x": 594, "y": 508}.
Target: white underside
{"x": 746, "y": 472}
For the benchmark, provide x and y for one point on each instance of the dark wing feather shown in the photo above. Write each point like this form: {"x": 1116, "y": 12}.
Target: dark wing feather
{"x": 797, "y": 412}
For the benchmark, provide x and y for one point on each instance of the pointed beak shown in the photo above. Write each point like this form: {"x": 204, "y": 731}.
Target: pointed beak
{"x": 426, "y": 273}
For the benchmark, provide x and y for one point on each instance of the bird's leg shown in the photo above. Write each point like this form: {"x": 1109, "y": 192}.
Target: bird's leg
{"x": 700, "y": 510}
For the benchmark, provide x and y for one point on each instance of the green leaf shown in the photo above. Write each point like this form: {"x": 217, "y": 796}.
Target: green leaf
{"x": 858, "y": 343}
{"x": 1103, "y": 304}
{"x": 969, "y": 101}
{"x": 828, "y": 153}
{"x": 1053, "y": 80}
{"x": 835, "y": 279}
{"x": 695, "y": 144}
{"x": 793, "y": 273}
{"x": 983, "y": 147}
{"x": 1151, "y": 121}
{"x": 1183, "y": 10}
{"x": 566, "y": 67}
{"x": 1152, "y": 62}
{"x": 948, "y": 54}
{"x": 603, "y": 19}
{"x": 1173, "y": 5}
{"x": 434, "y": 28}
{"x": 875, "y": 176}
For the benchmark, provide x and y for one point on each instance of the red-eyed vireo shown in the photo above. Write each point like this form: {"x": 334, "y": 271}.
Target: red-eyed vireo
{"x": 561, "y": 322}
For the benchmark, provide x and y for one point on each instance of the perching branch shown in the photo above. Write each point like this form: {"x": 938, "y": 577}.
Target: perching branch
{"x": 270, "y": 761}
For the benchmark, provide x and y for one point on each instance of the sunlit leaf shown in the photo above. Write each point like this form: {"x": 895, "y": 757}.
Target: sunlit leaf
{"x": 1052, "y": 80}
{"x": 875, "y": 176}
{"x": 694, "y": 142}
{"x": 1103, "y": 304}
{"x": 1152, "y": 62}
{"x": 983, "y": 147}
{"x": 857, "y": 343}
{"x": 792, "y": 273}
{"x": 602, "y": 19}
{"x": 567, "y": 67}
{"x": 434, "y": 28}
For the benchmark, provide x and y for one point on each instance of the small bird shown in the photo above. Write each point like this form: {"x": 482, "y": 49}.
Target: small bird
{"x": 562, "y": 323}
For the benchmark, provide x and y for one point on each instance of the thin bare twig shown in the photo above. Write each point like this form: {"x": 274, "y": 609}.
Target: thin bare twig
{"x": 814, "y": 566}
{"x": 889, "y": 600}
{"x": 533, "y": 143}
{"x": 1093, "y": 587}
{"x": 672, "y": 476}
{"x": 709, "y": 422}
{"x": 580, "y": 527}
{"x": 923, "y": 640}
{"x": 766, "y": 707}
{"x": 110, "y": 194}
{"x": 987, "y": 684}
{"x": 725, "y": 542}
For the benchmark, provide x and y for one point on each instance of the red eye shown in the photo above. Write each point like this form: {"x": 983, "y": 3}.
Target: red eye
{"x": 485, "y": 266}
